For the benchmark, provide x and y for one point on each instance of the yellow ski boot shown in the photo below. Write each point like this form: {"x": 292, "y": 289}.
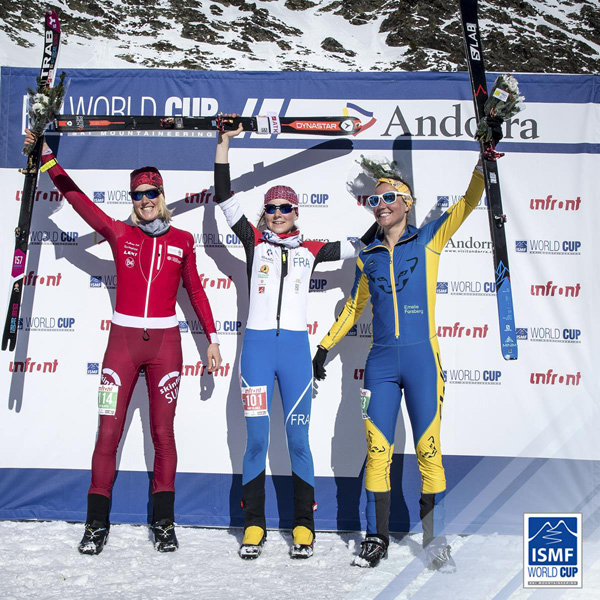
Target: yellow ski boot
{"x": 254, "y": 538}
{"x": 304, "y": 540}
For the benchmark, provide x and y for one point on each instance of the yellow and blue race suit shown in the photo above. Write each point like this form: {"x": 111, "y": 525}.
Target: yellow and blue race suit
{"x": 404, "y": 355}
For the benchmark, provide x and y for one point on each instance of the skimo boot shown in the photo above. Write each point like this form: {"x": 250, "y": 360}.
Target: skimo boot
{"x": 304, "y": 540}
{"x": 254, "y": 538}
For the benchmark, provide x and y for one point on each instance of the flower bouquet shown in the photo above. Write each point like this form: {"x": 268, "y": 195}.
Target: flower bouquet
{"x": 43, "y": 107}
{"x": 503, "y": 103}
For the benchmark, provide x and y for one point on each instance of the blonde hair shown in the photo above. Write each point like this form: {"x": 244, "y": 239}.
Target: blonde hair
{"x": 163, "y": 212}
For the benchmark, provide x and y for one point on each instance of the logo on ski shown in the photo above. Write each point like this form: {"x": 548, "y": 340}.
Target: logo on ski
{"x": 473, "y": 42}
{"x": 265, "y": 125}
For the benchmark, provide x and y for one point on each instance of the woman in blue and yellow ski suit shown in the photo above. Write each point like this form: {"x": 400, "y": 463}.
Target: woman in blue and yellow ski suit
{"x": 398, "y": 272}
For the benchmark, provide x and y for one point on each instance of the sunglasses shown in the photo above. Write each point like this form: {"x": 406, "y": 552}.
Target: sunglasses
{"x": 150, "y": 194}
{"x": 388, "y": 198}
{"x": 284, "y": 209}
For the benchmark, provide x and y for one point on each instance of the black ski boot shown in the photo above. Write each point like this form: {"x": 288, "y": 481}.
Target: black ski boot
{"x": 439, "y": 558}
{"x": 163, "y": 519}
{"x": 304, "y": 520}
{"x": 372, "y": 550}
{"x": 165, "y": 539}
{"x": 94, "y": 537}
{"x": 97, "y": 525}
{"x": 255, "y": 526}
{"x": 436, "y": 549}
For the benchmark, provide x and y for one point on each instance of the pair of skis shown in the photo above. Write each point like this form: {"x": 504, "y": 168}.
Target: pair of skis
{"x": 497, "y": 219}
{"x": 266, "y": 125}
{"x": 45, "y": 81}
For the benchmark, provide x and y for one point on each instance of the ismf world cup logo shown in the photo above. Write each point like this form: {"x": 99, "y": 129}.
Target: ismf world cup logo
{"x": 552, "y": 550}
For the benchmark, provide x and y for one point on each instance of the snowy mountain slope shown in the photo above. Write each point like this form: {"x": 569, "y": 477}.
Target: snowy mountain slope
{"x": 551, "y": 36}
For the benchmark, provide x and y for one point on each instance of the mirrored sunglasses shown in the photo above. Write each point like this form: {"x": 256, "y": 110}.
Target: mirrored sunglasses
{"x": 150, "y": 194}
{"x": 284, "y": 209}
{"x": 388, "y": 198}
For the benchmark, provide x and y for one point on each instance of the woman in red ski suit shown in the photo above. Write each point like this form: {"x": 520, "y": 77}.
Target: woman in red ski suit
{"x": 151, "y": 258}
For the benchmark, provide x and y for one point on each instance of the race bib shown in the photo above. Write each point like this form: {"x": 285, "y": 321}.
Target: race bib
{"x": 107, "y": 399}
{"x": 365, "y": 398}
{"x": 255, "y": 401}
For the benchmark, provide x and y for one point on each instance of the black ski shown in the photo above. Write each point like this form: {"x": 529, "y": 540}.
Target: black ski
{"x": 266, "y": 125}
{"x": 508, "y": 338}
{"x": 46, "y": 78}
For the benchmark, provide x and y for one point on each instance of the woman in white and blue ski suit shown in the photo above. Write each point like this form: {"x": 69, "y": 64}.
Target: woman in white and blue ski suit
{"x": 280, "y": 264}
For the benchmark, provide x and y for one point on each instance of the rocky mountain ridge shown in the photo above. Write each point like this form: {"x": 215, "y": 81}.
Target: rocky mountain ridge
{"x": 549, "y": 36}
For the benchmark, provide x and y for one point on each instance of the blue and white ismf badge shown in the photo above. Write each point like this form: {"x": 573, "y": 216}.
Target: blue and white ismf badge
{"x": 552, "y": 550}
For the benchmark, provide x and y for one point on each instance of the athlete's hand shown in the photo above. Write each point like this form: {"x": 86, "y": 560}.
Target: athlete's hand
{"x": 213, "y": 357}
{"x": 225, "y": 136}
{"x": 318, "y": 364}
{"x": 222, "y": 154}
{"x": 495, "y": 124}
{"x": 30, "y": 139}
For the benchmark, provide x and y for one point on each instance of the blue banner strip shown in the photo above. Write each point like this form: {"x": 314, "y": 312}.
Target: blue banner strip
{"x": 202, "y": 92}
{"x": 213, "y": 500}
{"x": 574, "y": 89}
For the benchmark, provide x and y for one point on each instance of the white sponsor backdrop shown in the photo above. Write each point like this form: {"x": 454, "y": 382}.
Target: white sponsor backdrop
{"x": 543, "y": 405}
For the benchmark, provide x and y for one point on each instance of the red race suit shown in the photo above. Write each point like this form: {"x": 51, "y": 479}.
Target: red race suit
{"x": 144, "y": 331}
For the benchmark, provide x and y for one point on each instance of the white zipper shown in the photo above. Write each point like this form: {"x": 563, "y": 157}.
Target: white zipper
{"x": 150, "y": 278}
{"x": 159, "y": 255}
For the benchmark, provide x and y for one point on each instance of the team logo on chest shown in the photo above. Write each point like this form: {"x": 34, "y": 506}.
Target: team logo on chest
{"x": 131, "y": 249}
{"x": 175, "y": 254}
{"x": 175, "y": 251}
{"x": 267, "y": 255}
{"x": 402, "y": 277}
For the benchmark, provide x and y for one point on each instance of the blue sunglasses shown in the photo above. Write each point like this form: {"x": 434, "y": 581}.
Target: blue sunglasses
{"x": 388, "y": 198}
{"x": 284, "y": 209}
{"x": 150, "y": 194}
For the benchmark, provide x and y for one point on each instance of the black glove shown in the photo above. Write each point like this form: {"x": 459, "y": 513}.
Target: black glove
{"x": 495, "y": 124}
{"x": 319, "y": 362}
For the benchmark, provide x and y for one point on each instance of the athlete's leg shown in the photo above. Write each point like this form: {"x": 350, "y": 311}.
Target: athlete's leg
{"x": 424, "y": 392}
{"x": 119, "y": 369}
{"x": 257, "y": 372}
{"x": 380, "y": 402}
{"x": 294, "y": 374}
{"x": 163, "y": 375}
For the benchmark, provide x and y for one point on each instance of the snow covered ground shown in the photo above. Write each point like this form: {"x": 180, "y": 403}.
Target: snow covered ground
{"x": 39, "y": 560}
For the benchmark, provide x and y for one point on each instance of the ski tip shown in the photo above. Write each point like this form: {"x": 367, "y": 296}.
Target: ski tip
{"x": 52, "y": 20}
